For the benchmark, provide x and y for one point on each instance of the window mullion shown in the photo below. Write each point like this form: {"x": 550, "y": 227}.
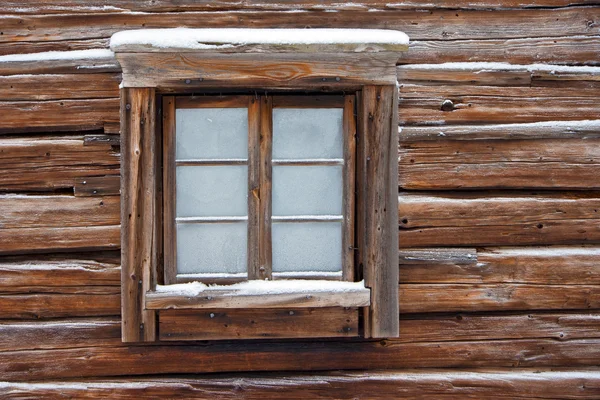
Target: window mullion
{"x": 254, "y": 180}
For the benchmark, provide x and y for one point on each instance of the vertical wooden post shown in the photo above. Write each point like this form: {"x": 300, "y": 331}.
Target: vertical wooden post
{"x": 254, "y": 211}
{"x": 377, "y": 214}
{"x": 139, "y": 255}
{"x": 266, "y": 175}
{"x": 348, "y": 237}
{"x": 169, "y": 176}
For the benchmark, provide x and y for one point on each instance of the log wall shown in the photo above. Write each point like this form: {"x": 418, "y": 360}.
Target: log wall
{"x": 499, "y": 209}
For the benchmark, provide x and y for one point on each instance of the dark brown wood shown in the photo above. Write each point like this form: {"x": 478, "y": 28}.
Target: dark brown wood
{"x": 55, "y": 115}
{"x": 349, "y": 176}
{"x": 547, "y": 163}
{"x": 265, "y": 178}
{"x": 52, "y": 162}
{"x": 258, "y": 324}
{"x": 295, "y": 356}
{"x": 424, "y": 298}
{"x": 309, "y": 101}
{"x": 493, "y": 219}
{"x": 416, "y": 385}
{"x": 73, "y": 66}
{"x": 138, "y": 210}
{"x": 51, "y": 87}
{"x": 378, "y": 182}
{"x": 97, "y": 186}
{"x": 211, "y": 101}
{"x": 566, "y": 265}
{"x": 254, "y": 195}
{"x": 100, "y": 139}
{"x": 169, "y": 191}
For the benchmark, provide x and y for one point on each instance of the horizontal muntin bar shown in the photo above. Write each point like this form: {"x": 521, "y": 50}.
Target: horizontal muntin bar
{"x": 221, "y": 161}
{"x": 194, "y": 220}
{"x": 308, "y": 218}
{"x": 314, "y": 161}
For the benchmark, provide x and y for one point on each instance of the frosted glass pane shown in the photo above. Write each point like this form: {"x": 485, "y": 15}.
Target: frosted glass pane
{"x": 212, "y": 191}
{"x": 211, "y": 133}
{"x": 307, "y": 190}
{"x": 307, "y": 246}
{"x": 300, "y": 133}
{"x": 204, "y": 248}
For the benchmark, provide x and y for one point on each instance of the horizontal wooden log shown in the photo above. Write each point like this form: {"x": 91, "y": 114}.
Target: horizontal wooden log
{"x": 55, "y": 115}
{"x": 102, "y": 302}
{"x": 293, "y": 356}
{"x": 494, "y": 164}
{"x": 108, "y": 6}
{"x": 437, "y": 24}
{"x": 588, "y": 129}
{"x": 577, "y": 50}
{"x": 530, "y": 325}
{"x": 425, "y": 298}
{"x": 45, "y": 67}
{"x": 52, "y": 87}
{"x": 450, "y": 385}
{"x": 567, "y": 265}
{"x": 52, "y": 239}
{"x": 422, "y": 105}
{"x": 257, "y": 324}
{"x": 23, "y": 211}
{"x": 47, "y": 272}
{"x": 108, "y": 185}
{"x": 59, "y": 333}
{"x": 42, "y": 163}
{"x": 430, "y": 220}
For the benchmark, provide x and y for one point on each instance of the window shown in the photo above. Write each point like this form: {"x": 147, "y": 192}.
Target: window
{"x": 270, "y": 213}
{"x": 258, "y": 187}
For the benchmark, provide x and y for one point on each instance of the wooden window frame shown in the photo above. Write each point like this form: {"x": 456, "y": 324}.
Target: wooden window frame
{"x": 260, "y": 163}
{"x": 150, "y": 75}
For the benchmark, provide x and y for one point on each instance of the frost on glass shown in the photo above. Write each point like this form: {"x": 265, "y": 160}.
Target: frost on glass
{"x": 307, "y": 246}
{"x": 211, "y": 248}
{"x": 307, "y": 133}
{"x": 211, "y": 133}
{"x": 307, "y": 190}
{"x": 212, "y": 191}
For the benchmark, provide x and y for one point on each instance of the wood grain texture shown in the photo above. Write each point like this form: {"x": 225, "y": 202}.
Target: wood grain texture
{"x": 495, "y": 164}
{"x": 169, "y": 177}
{"x": 257, "y": 324}
{"x": 53, "y": 162}
{"x": 254, "y": 162}
{"x": 479, "y": 219}
{"x": 138, "y": 212}
{"x": 95, "y": 186}
{"x": 422, "y": 105}
{"x": 378, "y": 252}
{"x": 413, "y": 385}
{"x": 51, "y": 87}
{"x": 74, "y": 66}
{"x": 265, "y": 178}
{"x": 56, "y": 115}
{"x": 278, "y": 356}
{"x": 553, "y": 265}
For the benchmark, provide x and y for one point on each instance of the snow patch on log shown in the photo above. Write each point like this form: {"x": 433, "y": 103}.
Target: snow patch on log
{"x": 498, "y": 66}
{"x": 90, "y": 54}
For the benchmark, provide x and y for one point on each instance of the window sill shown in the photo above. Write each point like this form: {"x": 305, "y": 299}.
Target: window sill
{"x": 260, "y": 294}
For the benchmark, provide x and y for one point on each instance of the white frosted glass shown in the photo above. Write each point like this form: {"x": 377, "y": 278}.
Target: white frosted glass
{"x": 307, "y": 246}
{"x": 211, "y": 133}
{"x": 211, "y": 248}
{"x": 307, "y": 190}
{"x": 305, "y": 133}
{"x": 212, "y": 191}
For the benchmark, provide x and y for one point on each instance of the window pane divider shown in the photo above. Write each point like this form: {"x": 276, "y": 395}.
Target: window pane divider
{"x": 308, "y": 218}
{"x": 210, "y": 219}
{"x": 316, "y": 161}
{"x": 224, "y": 161}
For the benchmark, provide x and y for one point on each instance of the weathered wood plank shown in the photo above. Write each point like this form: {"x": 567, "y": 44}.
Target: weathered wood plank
{"x": 455, "y": 327}
{"x": 588, "y": 129}
{"x": 52, "y": 239}
{"x": 46, "y": 272}
{"x": 425, "y": 298}
{"x": 567, "y": 265}
{"x": 294, "y": 356}
{"x": 139, "y": 198}
{"x": 450, "y": 385}
{"x": 97, "y": 186}
{"x": 576, "y": 50}
{"x": 436, "y": 24}
{"x": 377, "y": 182}
{"x": 549, "y": 163}
{"x": 258, "y": 324}
{"x": 60, "y": 333}
{"x": 70, "y": 66}
{"x": 24, "y": 211}
{"x": 52, "y": 87}
{"x": 429, "y": 220}
{"x": 54, "y": 115}
{"x": 422, "y": 105}
{"x": 43, "y": 163}
{"x": 85, "y": 303}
